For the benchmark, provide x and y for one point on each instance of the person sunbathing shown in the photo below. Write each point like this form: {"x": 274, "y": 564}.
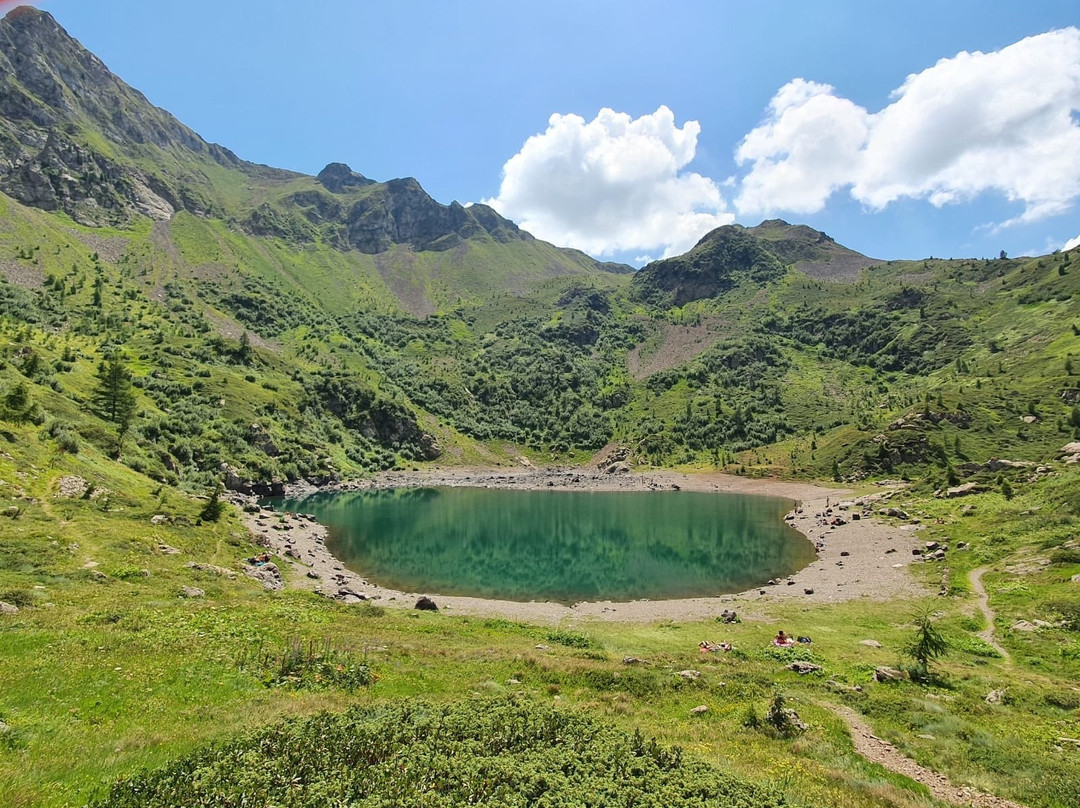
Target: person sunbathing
{"x": 782, "y": 640}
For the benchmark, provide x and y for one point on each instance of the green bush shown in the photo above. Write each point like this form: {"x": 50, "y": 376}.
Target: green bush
{"x": 487, "y": 753}
{"x": 570, "y": 639}
{"x": 310, "y": 665}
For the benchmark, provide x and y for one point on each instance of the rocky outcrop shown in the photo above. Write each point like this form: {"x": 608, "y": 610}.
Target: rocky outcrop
{"x": 58, "y": 100}
{"x": 401, "y": 212}
{"x": 338, "y": 178}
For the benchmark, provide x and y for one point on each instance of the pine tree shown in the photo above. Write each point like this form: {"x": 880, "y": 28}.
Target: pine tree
{"x": 926, "y": 645}
{"x": 113, "y": 396}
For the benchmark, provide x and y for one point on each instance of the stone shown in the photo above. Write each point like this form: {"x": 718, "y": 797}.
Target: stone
{"x": 8, "y": 608}
{"x": 802, "y": 668}
{"x": 158, "y": 519}
{"x": 267, "y": 574}
{"x": 1023, "y": 625}
{"x": 896, "y": 513}
{"x": 870, "y": 643}
{"x": 165, "y": 549}
{"x": 995, "y": 697}
{"x": 885, "y": 674}
{"x": 631, "y": 660}
{"x": 808, "y": 591}
{"x": 689, "y": 675}
{"x": 191, "y": 592}
{"x": 967, "y": 489}
{"x": 71, "y": 487}
{"x": 426, "y": 604}
{"x": 701, "y": 709}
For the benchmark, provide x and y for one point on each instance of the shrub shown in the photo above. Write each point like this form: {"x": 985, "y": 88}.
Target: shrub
{"x": 486, "y": 752}
{"x": 570, "y": 639}
{"x": 310, "y": 665}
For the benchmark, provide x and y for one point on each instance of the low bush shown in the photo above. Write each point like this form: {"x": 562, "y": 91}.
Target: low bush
{"x": 487, "y": 752}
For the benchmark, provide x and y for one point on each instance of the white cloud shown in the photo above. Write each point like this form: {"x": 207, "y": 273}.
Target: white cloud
{"x": 612, "y": 184}
{"x": 998, "y": 122}
{"x": 1071, "y": 243}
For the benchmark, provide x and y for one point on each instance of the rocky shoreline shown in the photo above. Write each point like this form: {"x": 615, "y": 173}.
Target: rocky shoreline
{"x": 859, "y": 555}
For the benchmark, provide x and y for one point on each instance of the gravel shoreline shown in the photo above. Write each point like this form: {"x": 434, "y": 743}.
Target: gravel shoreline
{"x": 859, "y": 555}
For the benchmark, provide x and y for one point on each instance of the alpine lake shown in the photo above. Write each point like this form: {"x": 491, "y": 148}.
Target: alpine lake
{"x": 561, "y": 546}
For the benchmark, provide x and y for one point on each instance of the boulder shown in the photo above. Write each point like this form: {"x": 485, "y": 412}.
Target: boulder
{"x": 802, "y": 668}
{"x": 896, "y": 513}
{"x": 426, "y": 604}
{"x": 870, "y": 643}
{"x": 701, "y": 709}
{"x": 191, "y": 592}
{"x": 8, "y": 608}
{"x": 885, "y": 674}
{"x": 267, "y": 574}
{"x": 967, "y": 489}
{"x": 995, "y": 697}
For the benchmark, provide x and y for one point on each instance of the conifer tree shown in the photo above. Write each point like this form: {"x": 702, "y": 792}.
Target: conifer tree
{"x": 114, "y": 398}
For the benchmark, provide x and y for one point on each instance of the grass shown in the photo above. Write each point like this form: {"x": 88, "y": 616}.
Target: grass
{"x": 106, "y": 676}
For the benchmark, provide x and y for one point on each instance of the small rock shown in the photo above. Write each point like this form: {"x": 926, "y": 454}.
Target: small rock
{"x": 690, "y": 676}
{"x": 8, "y": 608}
{"x": 165, "y": 549}
{"x": 844, "y": 553}
{"x": 808, "y": 591}
{"x": 426, "y": 604}
{"x": 701, "y": 709}
{"x": 543, "y": 648}
{"x": 870, "y": 643}
{"x": 926, "y": 736}
{"x": 1023, "y": 625}
{"x": 630, "y": 660}
{"x": 191, "y": 592}
{"x": 159, "y": 519}
{"x": 995, "y": 697}
{"x": 313, "y": 575}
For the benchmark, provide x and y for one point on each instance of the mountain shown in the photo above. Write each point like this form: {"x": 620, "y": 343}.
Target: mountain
{"x": 76, "y": 138}
{"x": 284, "y": 326}
{"x": 733, "y": 255}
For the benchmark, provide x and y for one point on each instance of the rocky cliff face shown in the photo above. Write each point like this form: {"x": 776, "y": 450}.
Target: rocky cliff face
{"x": 70, "y": 132}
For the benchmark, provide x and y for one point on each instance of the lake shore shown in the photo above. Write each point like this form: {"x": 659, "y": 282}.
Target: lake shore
{"x": 859, "y": 555}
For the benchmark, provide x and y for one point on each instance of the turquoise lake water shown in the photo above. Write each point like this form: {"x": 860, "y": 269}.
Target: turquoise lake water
{"x": 562, "y": 546}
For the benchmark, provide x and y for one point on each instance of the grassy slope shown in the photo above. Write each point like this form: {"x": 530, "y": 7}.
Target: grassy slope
{"x": 104, "y": 675}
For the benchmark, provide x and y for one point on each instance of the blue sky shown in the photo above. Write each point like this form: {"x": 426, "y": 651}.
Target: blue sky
{"x": 801, "y": 110}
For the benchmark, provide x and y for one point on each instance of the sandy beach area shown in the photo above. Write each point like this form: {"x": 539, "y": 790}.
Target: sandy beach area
{"x": 859, "y": 554}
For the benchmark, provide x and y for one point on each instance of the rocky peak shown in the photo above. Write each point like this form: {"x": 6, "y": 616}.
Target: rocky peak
{"x": 338, "y": 178}
{"x": 75, "y": 137}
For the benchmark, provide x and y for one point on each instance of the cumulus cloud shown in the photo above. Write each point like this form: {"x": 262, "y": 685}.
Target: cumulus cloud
{"x": 612, "y": 184}
{"x": 1071, "y": 243}
{"x": 999, "y": 122}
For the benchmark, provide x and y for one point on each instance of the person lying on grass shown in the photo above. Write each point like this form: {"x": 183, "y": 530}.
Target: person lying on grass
{"x": 782, "y": 640}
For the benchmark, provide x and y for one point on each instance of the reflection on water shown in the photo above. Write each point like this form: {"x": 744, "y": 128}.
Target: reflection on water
{"x": 560, "y": 546}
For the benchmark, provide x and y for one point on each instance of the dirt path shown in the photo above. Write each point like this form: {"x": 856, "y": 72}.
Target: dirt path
{"x": 885, "y": 754}
{"x": 987, "y": 634}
